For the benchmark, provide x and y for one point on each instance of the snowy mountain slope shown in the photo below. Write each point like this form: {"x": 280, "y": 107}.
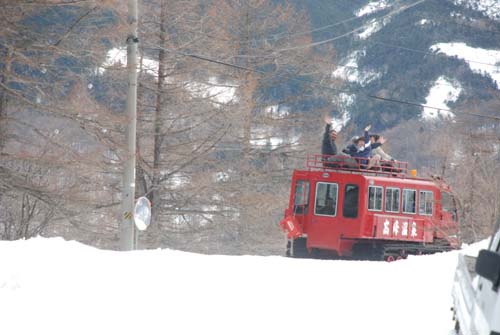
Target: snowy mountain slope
{"x": 64, "y": 287}
{"x": 440, "y": 94}
{"x": 482, "y": 61}
{"x": 394, "y": 56}
{"x": 490, "y": 8}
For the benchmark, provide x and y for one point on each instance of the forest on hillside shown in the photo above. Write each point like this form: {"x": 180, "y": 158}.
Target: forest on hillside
{"x": 231, "y": 99}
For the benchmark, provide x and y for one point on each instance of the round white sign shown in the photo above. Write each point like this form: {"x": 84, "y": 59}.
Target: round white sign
{"x": 142, "y": 213}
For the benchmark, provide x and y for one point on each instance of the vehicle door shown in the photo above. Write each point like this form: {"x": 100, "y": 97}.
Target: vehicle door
{"x": 301, "y": 199}
{"x": 324, "y": 216}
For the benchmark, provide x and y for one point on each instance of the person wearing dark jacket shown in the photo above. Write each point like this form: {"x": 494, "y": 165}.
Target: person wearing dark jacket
{"x": 351, "y": 149}
{"x": 328, "y": 147}
{"x": 362, "y": 150}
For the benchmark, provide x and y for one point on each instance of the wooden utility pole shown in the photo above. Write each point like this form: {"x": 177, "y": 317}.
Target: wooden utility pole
{"x": 127, "y": 227}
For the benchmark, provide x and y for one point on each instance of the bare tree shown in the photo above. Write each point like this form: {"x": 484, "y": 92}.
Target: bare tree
{"x": 208, "y": 126}
{"x": 463, "y": 151}
{"x": 55, "y": 136}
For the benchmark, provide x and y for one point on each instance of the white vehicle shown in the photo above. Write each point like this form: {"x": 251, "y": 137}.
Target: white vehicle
{"x": 476, "y": 294}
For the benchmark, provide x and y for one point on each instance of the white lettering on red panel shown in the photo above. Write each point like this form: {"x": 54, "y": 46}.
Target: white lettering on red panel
{"x": 386, "y": 227}
{"x": 401, "y": 229}
{"x": 413, "y": 229}
{"x": 404, "y": 232}
{"x": 395, "y": 228}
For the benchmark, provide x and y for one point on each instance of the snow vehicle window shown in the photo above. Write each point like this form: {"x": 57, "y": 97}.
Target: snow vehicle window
{"x": 392, "y": 200}
{"x": 409, "y": 200}
{"x": 301, "y": 197}
{"x": 326, "y": 199}
{"x": 351, "y": 197}
{"x": 426, "y": 202}
{"x": 375, "y": 198}
{"x": 448, "y": 205}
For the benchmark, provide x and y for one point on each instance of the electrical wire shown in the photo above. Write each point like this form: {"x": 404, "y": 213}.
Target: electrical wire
{"x": 277, "y": 36}
{"x": 425, "y": 52}
{"x": 394, "y": 12}
{"x": 372, "y": 96}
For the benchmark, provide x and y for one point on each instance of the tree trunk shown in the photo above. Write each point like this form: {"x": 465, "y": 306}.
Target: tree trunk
{"x": 158, "y": 115}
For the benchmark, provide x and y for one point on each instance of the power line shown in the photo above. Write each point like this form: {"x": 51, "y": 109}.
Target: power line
{"x": 324, "y": 27}
{"x": 426, "y": 52}
{"x": 416, "y": 81}
{"x": 273, "y": 37}
{"x": 396, "y": 11}
{"x": 239, "y": 67}
{"x": 281, "y": 35}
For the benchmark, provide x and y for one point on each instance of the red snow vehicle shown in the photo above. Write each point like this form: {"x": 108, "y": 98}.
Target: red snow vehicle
{"x": 339, "y": 209}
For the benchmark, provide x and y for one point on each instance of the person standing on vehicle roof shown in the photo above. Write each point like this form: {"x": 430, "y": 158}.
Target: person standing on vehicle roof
{"x": 328, "y": 147}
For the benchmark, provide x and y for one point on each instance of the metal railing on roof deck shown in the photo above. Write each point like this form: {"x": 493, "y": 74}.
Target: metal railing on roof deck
{"x": 352, "y": 164}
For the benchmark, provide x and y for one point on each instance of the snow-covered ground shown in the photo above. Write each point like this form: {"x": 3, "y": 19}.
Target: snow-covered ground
{"x": 217, "y": 92}
{"x": 262, "y": 137}
{"x": 118, "y": 57}
{"x": 371, "y": 7}
{"x": 490, "y": 8}
{"x": 348, "y": 70}
{"x": 482, "y": 61}
{"x": 442, "y": 92}
{"x": 51, "y": 286}
{"x": 344, "y": 102}
{"x": 372, "y": 27}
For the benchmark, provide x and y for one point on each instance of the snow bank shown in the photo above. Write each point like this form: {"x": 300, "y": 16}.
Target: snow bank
{"x": 473, "y": 249}
{"x": 50, "y": 286}
{"x": 482, "y": 61}
{"x": 442, "y": 92}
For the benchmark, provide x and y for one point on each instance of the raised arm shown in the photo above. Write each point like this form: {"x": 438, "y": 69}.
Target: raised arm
{"x": 367, "y": 136}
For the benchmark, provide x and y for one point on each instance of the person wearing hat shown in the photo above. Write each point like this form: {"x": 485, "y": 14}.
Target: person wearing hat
{"x": 351, "y": 149}
{"x": 364, "y": 151}
{"x": 360, "y": 148}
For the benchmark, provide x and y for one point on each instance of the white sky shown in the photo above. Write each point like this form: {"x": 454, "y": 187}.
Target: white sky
{"x": 51, "y": 286}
